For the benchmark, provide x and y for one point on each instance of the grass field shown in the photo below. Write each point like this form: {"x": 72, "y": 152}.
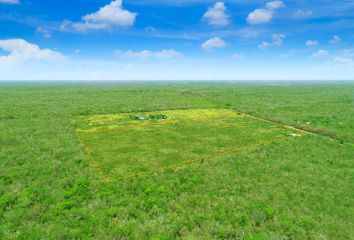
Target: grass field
{"x": 77, "y": 162}
{"x": 121, "y": 147}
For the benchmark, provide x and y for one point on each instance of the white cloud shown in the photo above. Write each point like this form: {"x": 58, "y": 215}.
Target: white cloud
{"x": 213, "y": 43}
{"x": 320, "y": 53}
{"x": 335, "y": 40}
{"x": 345, "y": 57}
{"x": 302, "y": 13}
{"x": 21, "y": 51}
{"x": 347, "y": 53}
{"x": 45, "y": 32}
{"x": 106, "y": 18}
{"x": 259, "y": 16}
{"x": 10, "y": 1}
{"x": 264, "y": 45}
{"x": 278, "y": 39}
{"x": 171, "y": 53}
{"x": 344, "y": 60}
{"x": 146, "y": 54}
{"x": 311, "y": 43}
{"x": 143, "y": 54}
{"x": 238, "y": 56}
{"x": 275, "y": 5}
{"x": 264, "y": 15}
{"x": 216, "y": 15}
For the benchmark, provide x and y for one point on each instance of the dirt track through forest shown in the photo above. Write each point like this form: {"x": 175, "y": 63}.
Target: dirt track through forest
{"x": 314, "y": 132}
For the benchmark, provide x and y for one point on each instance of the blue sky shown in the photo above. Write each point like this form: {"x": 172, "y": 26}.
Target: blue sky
{"x": 176, "y": 40}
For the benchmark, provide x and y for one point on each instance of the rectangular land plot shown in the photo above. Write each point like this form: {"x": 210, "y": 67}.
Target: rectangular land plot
{"x": 130, "y": 144}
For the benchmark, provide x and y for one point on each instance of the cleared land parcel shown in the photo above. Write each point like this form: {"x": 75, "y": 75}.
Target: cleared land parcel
{"x": 132, "y": 144}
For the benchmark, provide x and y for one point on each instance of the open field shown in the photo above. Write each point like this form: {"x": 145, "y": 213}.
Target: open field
{"x": 124, "y": 147}
{"x": 77, "y": 163}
